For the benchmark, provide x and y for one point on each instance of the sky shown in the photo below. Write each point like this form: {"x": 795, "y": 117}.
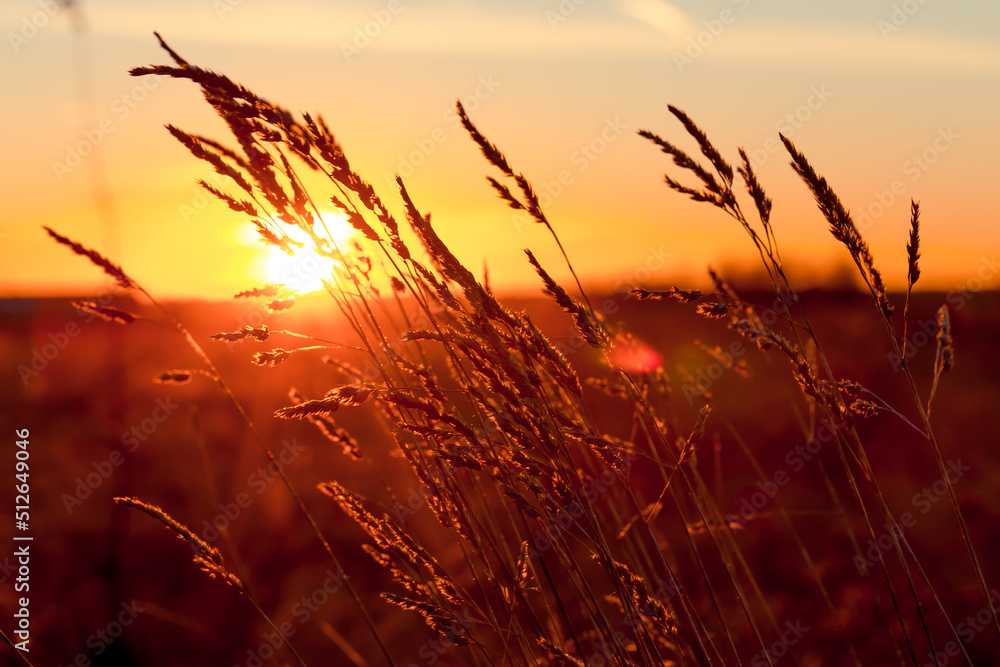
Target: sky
{"x": 889, "y": 101}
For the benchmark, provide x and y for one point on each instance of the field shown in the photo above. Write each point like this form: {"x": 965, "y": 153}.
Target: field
{"x": 91, "y": 556}
{"x": 397, "y": 465}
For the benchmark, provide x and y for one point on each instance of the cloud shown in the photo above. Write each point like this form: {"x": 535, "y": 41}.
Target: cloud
{"x": 631, "y": 28}
{"x": 661, "y": 16}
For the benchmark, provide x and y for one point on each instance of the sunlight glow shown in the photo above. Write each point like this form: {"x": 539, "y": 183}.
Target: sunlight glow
{"x": 304, "y": 271}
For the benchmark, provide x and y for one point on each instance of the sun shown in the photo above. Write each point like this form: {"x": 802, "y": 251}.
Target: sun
{"x": 305, "y": 270}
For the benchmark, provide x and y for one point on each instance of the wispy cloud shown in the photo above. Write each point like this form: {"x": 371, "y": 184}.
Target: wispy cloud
{"x": 629, "y": 28}
{"x": 662, "y": 17}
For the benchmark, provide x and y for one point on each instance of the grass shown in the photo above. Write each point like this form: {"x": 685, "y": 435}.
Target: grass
{"x": 517, "y": 521}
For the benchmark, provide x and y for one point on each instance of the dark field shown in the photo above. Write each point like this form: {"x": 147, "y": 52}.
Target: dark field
{"x": 109, "y": 585}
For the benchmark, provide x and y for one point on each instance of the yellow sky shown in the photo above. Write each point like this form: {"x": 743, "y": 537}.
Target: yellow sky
{"x": 889, "y": 100}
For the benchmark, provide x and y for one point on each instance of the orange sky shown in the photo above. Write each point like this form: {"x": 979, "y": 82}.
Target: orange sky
{"x": 887, "y": 105}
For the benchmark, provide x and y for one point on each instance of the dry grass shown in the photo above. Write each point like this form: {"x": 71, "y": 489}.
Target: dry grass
{"x": 536, "y": 540}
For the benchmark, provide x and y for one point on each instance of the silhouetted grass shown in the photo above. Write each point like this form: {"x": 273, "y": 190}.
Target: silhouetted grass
{"x": 524, "y": 530}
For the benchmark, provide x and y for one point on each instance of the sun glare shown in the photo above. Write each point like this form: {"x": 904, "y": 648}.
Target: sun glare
{"x": 304, "y": 270}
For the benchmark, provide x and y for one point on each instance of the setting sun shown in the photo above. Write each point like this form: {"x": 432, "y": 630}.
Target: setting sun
{"x": 305, "y": 270}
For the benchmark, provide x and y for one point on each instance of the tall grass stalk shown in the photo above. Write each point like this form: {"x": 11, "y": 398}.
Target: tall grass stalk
{"x": 537, "y": 543}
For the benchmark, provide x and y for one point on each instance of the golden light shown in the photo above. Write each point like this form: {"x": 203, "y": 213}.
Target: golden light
{"x": 304, "y": 270}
